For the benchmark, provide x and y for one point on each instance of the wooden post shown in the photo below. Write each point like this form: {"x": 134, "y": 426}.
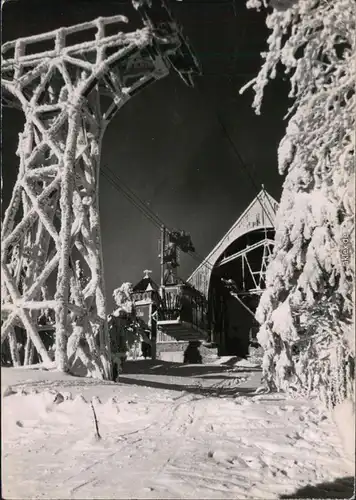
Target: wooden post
{"x": 243, "y": 273}
{"x": 153, "y": 310}
{"x": 163, "y": 238}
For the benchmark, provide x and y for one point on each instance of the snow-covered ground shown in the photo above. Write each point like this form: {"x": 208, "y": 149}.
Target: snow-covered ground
{"x": 167, "y": 431}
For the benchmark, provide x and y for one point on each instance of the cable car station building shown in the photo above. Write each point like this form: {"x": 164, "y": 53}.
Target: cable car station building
{"x": 215, "y": 307}
{"x": 232, "y": 277}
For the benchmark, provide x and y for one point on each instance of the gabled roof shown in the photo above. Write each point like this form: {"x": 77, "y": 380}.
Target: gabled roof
{"x": 260, "y": 213}
{"x": 146, "y": 284}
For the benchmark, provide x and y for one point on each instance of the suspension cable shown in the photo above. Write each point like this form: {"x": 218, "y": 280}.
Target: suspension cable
{"x": 155, "y": 219}
{"x": 134, "y": 198}
{"x": 138, "y": 203}
{"x": 111, "y": 178}
{"x": 234, "y": 148}
{"x": 118, "y": 184}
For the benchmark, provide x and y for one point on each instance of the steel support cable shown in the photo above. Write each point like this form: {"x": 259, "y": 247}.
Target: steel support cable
{"x": 134, "y": 199}
{"x": 138, "y": 203}
{"x": 127, "y": 196}
{"x": 143, "y": 207}
{"x": 151, "y": 216}
{"x": 242, "y": 164}
{"x": 199, "y": 258}
{"x": 132, "y": 195}
{"x": 244, "y": 167}
{"x": 145, "y": 210}
{"x": 139, "y": 207}
{"x": 122, "y": 191}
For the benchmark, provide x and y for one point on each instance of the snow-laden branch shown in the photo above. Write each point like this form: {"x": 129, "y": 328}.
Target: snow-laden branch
{"x": 310, "y": 280}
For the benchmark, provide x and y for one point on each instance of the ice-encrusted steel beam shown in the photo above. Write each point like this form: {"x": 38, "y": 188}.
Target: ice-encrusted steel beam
{"x": 69, "y": 92}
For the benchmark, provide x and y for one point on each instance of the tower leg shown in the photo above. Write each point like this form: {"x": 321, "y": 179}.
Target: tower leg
{"x": 53, "y": 217}
{"x": 42, "y": 240}
{"x": 63, "y": 276}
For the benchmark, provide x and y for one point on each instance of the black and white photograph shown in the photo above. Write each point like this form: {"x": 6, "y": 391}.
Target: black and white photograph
{"x": 178, "y": 249}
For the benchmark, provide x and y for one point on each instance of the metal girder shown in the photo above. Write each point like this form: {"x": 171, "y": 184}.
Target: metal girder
{"x": 257, "y": 277}
{"x": 245, "y": 251}
{"x": 236, "y": 296}
{"x": 54, "y": 206}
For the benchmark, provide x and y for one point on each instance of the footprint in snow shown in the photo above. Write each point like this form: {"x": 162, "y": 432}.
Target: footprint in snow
{"x": 253, "y": 462}
{"x": 294, "y": 436}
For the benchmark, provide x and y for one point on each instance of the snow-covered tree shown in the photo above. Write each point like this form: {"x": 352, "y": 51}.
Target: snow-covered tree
{"x": 124, "y": 323}
{"x": 306, "y": 311}
{"x": 123, "y": 299}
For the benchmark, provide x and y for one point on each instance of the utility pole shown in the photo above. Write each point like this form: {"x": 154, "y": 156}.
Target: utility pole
{"x": 163, "y": 241}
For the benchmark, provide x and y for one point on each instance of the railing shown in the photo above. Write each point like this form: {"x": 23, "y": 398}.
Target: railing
{"x": 142, "y": 296}
{"x": 183, "y": 304}
{"x": 164, "y": 337}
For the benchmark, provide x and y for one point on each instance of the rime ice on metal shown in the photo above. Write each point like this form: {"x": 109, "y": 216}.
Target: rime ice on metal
{"x": 68, "y": 93}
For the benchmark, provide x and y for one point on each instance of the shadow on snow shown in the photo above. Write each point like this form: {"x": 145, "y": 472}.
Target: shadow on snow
{"x": 215, "y": 390}
{"x": 343, "y": 487}
{"x": 158, "y": 367}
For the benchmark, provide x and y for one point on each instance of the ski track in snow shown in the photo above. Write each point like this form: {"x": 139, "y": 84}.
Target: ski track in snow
{"x": 157, "y": 444}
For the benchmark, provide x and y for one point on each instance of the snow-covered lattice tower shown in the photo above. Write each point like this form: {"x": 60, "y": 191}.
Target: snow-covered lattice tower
{"x": 69, "y": 92}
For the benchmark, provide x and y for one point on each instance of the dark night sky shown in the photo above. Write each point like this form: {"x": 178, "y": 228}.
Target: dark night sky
{"x": 167, "y": 143}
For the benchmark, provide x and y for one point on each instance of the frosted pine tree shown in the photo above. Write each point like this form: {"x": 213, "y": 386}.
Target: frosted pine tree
{"x": 131, "y": 328}
{"x": 123, "y": 299}
{"x": 306, "y": 311}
